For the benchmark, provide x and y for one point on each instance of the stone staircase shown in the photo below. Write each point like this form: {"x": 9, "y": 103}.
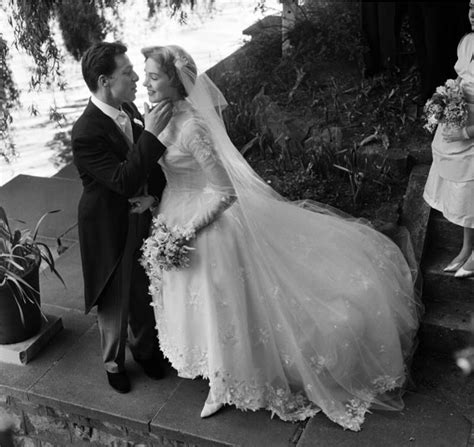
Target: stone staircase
{"x": 449, "y": 302}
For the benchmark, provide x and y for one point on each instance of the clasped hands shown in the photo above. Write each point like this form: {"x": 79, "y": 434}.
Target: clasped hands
{"x": 140, "y": 204}
{"x": 451, "y": 134}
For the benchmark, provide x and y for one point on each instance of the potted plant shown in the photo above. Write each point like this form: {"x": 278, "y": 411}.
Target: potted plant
{"x": 20, "y": 259}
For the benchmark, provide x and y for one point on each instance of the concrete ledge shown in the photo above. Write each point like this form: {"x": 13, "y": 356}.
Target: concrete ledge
{"x": 21, "y": 353}
{"x": 415, "y": 212}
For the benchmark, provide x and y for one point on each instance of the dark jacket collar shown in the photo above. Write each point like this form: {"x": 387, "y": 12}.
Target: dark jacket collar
{"x": 108, "y": 126}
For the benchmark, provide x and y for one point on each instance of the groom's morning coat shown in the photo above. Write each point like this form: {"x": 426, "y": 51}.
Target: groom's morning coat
{"x": 111, "y": 172}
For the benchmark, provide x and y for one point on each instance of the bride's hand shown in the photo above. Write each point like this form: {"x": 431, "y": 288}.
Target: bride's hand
{"x": 453, "y": 134}
{"x": 140, "y": 204}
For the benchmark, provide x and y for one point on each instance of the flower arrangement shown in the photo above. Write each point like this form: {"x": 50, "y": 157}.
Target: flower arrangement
{"x": 446, "y": 106}
{"x": 20, "y": 252}
{"x": 166, "y": 247}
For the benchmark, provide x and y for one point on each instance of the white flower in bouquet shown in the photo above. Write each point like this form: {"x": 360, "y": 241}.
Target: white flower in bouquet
{"x": 446, "y": 106}
{"x": 165, "y": 249}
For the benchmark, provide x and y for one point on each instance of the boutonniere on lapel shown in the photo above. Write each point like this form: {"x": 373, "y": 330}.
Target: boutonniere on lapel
{"x": 138, "y": 122}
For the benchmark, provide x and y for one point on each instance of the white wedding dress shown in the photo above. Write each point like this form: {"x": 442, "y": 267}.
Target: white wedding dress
{"x": 292, "y": 310}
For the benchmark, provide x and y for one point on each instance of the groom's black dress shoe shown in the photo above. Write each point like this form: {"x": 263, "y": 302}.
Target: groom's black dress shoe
{"x": 119, "y": 381}
{"x": 152, "y": 367}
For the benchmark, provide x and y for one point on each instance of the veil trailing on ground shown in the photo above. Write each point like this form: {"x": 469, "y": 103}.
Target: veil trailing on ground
{"x": 336, "y": 297}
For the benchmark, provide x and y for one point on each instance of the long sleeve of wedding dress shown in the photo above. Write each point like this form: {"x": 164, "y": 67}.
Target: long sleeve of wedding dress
{"x": 220, "y": 192}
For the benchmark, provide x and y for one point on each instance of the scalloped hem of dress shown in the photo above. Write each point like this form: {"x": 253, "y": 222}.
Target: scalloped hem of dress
{"x": 352, "y": 419}
{"x": 465, "y": 223}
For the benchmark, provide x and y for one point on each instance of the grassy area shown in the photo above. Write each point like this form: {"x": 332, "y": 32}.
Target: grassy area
{"x": 321, "y": 82}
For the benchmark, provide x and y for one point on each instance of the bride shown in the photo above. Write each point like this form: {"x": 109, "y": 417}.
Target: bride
{"x": 290, "y": 307}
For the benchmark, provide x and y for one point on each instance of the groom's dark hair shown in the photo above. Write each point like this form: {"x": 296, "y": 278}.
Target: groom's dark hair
{"x": 98, "y": 60}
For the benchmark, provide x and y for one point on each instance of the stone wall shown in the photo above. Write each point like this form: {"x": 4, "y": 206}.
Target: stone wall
{"x": 37, "y": 425}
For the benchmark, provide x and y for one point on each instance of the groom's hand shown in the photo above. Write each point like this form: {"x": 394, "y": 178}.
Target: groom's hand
{"x": 140, "y": 204}
{"x": 158, "y": 117}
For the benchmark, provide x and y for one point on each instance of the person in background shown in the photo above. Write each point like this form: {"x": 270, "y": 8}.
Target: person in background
{"x": 450, "y": 184}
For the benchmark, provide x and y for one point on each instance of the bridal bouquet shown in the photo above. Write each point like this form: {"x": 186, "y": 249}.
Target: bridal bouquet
{"x": 166, "y": 247}
{"x": 447, "y": 106}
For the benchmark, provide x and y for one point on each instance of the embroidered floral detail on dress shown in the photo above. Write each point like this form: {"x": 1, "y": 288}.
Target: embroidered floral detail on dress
{"x": 227, "y": 335}
{"x": 194, "y": 299}
{"x": 242, "y": 275}
{"x": 355, "y": 414}
{"x": 287, "y": 358}
{"x": 278, "y": 327}
{"x": 202, "y": 145}
{"x": 387, "y": 383}
{"x": 263, "y": 335}
{"x": 318, "y": 363}
{"x": 359, "y": 277}
{"x": 252, "y": 394}
{"x": 357, "y": 407}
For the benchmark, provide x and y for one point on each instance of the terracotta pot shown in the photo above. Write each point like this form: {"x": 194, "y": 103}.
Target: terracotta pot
{"x": 12, "y": 328}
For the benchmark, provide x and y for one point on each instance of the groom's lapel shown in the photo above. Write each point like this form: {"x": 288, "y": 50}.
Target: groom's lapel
{"x": 120, "y": 142}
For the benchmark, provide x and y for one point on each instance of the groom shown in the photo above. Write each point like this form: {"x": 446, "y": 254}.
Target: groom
{"x": 116, "y": 154}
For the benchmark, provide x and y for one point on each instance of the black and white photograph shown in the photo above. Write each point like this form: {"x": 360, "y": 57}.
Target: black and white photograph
{"x": 236, "y": 223}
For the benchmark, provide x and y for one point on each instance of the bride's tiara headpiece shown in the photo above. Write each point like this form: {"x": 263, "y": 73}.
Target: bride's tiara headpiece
{"x": 180, "y": 61}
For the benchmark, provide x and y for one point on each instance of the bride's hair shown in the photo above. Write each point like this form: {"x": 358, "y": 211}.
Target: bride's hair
{"x": 173, "y": 60}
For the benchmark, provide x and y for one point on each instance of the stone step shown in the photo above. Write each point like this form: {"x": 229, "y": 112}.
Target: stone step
{"x": 27, "y": 198}
{"x": 162, "y": 412}
{"x": 69, "y": 267}
{"x": 441, "y": 286}
{"x": 442, "y": 233}
{"x": 424, "y": 421}
{"x": 68, "y": 172}
{"x": 446, "y": 326}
